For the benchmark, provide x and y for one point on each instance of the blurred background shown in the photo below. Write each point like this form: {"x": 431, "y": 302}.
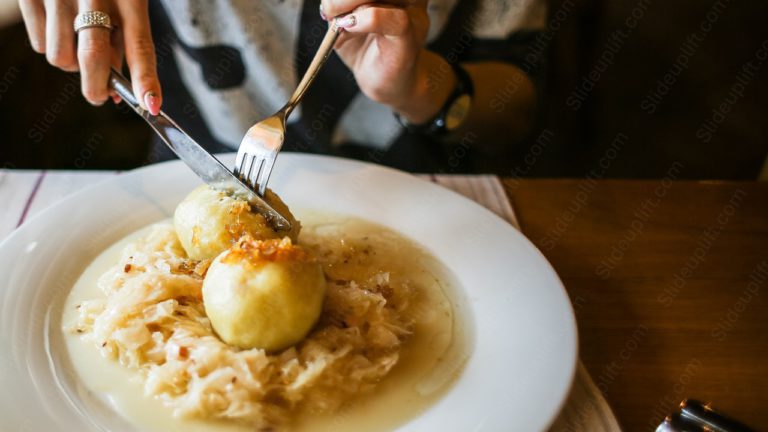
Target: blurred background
{"x": 633, "y": 89}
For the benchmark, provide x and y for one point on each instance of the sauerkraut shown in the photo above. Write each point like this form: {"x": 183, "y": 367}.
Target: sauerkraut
{"x": 152, "y": 319}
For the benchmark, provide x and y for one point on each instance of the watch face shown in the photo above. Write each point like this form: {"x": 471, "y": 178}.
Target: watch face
{"x": 458, "y": 112}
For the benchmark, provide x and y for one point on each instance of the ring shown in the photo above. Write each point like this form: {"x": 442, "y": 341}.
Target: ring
{"x": 90, "y": 19}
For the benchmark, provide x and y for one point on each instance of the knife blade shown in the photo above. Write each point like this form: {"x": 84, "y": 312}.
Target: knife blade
{"x": 202, "y": 163}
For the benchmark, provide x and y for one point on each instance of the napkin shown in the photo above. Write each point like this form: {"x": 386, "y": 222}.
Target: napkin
{"x": 585, "y": 409}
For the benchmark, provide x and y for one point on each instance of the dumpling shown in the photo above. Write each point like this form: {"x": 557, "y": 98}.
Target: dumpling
{"x": 209, "y": 221}
{"x": 264, "y": 294}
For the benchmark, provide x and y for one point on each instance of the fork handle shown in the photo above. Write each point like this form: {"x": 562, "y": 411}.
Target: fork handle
{"x": 322, "y": 54}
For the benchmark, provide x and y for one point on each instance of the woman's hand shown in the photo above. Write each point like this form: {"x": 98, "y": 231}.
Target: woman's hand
{"x": 383, "y": 45}
{"x": 93, "y": 50}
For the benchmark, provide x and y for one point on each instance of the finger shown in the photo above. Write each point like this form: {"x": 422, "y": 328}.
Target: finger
{"x": 117, "y": 43}
{"x": 60, "y": 36}
{"x": 343, "y": 38}
{"x": 33, "y": 13}
{"x": 140, "y": 55}
{"x": 94, "y": 55}
{"x": 388, "y": 21}
{"x": 334, "y": 8}
{"x": 118, "y": 54}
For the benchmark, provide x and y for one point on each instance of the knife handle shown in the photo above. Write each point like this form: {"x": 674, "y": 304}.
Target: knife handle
{"x": 161, "y": 124}
{"x": 123, "y": 87}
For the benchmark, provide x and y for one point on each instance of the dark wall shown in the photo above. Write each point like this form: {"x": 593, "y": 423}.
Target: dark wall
{"x": 46, "y": 123}
{"x": 649, "y": 88}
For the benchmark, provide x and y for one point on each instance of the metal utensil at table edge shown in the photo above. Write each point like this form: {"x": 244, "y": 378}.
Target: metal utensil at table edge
{"x": 202, "y": 163}
{"x": 694, "y": 416}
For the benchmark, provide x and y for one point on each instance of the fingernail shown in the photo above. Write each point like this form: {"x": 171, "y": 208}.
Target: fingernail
{"x": 152, "y": 102}
{"x": 346, "y": 22}
{"x": 322, "y": 14}
{"x": 117, "y": 99}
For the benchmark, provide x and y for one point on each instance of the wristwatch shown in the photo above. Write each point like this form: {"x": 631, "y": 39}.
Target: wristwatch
{"x": 453, "y": 113}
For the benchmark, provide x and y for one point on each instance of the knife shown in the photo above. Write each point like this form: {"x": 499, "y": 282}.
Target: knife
{"x": 202, "y": 163}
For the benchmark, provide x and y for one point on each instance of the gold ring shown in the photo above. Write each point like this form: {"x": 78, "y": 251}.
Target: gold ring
{"x": 89, "y": 19}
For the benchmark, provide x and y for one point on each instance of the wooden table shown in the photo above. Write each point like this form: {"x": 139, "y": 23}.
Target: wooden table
{"x": 669, "y": 282}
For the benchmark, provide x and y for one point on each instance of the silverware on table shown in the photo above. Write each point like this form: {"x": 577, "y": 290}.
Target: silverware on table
{"x": 694, "y": 416}
{"x": 258, "y": 149}
{"x": 204, "y": 164}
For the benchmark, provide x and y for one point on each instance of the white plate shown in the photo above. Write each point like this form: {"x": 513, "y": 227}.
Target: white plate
{"x": 522, "y": 324}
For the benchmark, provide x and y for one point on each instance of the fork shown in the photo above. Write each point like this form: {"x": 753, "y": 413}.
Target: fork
{"x": 261, "y": 144}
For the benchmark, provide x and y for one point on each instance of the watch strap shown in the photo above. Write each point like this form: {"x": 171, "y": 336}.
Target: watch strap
{"x": 437, "y": 125}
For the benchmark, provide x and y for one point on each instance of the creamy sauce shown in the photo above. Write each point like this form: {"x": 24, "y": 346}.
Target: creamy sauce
{"x": 430, "y": 359}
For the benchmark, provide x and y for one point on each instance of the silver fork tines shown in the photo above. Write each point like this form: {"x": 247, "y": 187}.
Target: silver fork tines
{"x": 258, "y": 152}
{"x": 258, "y": 149}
